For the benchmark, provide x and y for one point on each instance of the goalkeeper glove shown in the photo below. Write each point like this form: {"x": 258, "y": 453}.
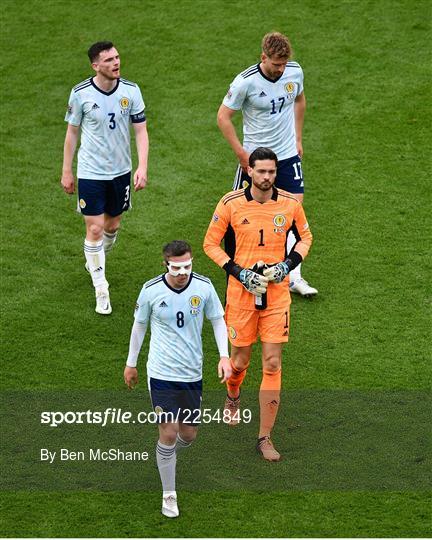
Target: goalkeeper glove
{"x": 253, "y": 282}
{"x": 277, "y": 273}
{"x": 250, "y": 279}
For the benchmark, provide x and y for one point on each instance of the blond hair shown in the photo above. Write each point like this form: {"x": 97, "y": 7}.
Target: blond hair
{"x": 276, "y": 44}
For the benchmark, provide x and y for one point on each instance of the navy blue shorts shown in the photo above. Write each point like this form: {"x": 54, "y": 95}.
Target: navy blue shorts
{"x": 112, "y": 197}
{"x": 289, "y": 176}
{"x": 182, "y": 399}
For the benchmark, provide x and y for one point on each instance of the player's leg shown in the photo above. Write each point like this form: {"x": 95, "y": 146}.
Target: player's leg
{"x": 118, "y": 201}
{"x": 164, "y": 397}
{"x": 190, "y": 411}
{"x": 290, "y": 178}
{"x": 274, "y": 332}
{"x": 269, "y": 398}
{"x": 242, "y": 333}
{"x": 91, "y": 195}
{"x": 166, "y": 459}
{"x": 111, "y": 228}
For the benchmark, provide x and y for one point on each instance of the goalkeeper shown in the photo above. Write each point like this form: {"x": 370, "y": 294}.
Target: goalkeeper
{"x": 258, "y": 297}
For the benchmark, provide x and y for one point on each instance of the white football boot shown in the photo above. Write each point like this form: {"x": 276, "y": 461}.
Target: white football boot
{"x": 103, "y": 305}
{"x": 169, "y": 506}
{"x": 302, "y": 287}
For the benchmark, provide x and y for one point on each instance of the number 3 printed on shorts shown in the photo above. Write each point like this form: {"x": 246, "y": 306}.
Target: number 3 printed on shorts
{"x": 127, "y": 194}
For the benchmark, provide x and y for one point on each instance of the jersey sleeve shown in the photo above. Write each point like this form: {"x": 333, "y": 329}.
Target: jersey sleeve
{"x": 213, "y": 307}
{"x": 143, "y": 308}
{"x": 74, "y": 110}
{"x": 215, "y": 233}
{"x": 236, "y": 94}
{"x": 137, "y": 114}
{"x": 302, "y": 226}
{"x": 300, "y": 82}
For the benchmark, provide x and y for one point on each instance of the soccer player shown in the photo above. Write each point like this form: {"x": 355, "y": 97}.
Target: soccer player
{"x": 271, "y": 97}
{"x": 175, "y": 304}
{"x": 102, "y": 107}
{"x": 258, "y": 296}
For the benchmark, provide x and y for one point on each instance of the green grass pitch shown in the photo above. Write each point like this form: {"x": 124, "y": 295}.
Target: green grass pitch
{"x": 367, "y": 170}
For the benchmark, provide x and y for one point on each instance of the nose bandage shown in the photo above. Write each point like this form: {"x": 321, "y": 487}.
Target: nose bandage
{"x": 180, "y": 268}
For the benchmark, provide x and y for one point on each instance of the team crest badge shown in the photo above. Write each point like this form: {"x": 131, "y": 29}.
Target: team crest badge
{"x": 195, "y": 303}
{"x": 158, "y": 409}
{"x": 69, "y": 109}
{"x": 279, "y": 220}
{"x": 289, "y": 87}
{"x": 215, "y": 217}
{"x": 232, "y": 332}
{"x": 124, "y": 103}
{"x": 82, "y": 203}
{"x": 245, "y": 184}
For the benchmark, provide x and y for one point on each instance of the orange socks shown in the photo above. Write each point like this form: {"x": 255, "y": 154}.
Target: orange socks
{"x": 269, "y": 398}
{"x": 234, "y": 382}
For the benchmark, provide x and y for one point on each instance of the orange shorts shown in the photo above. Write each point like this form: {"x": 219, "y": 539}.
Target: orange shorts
{"x": 244, "y": 326}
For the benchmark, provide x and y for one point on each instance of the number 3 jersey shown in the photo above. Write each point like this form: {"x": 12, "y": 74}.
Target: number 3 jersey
{"x": 260, "y": 234}
{"x": 104, "y": 118}
{"x": 268, "y": 108}
{"x": 176, "y": 318}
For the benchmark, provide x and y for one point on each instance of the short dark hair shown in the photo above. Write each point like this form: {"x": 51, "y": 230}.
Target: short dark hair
{"x": 176, "y": 248}
{"x": 97, "y": 48}
{"x": 262, "y": 153}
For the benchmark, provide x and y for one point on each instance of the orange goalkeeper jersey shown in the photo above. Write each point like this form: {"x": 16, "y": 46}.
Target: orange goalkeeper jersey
{"x": 260, "y": 233}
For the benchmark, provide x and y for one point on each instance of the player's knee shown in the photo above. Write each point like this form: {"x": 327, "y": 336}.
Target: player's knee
{"x": 240, "y": 363}
{"x": 188, "y": 437}
{"x": 272, "y": 363}
{"x": 95, "y": 230}
{"x": 168, "y": 433}
{"x": 111, "y": 228}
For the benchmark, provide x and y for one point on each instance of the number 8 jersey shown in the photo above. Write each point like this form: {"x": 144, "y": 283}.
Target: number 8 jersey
{"x": 104, "y": 118}
{"x": 176, "y": 318}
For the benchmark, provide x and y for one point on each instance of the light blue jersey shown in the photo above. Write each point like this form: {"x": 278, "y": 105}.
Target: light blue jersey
{"x": 176, "y": 318}
{"x": 104, "y": 118}
{"x": 268, "y": 108}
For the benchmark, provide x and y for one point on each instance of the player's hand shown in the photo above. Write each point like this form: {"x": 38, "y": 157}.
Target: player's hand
{"x": 253, "y": 282}
{"x": 244, "y": 161}
{"x": 277, "y": 272}
{"x": 68, "y": 182}
{"x": 299, "y": 145}
{"x": 130, "y": 377}
{"x": 224, "y": 369}
{"x": 140, "y": 179}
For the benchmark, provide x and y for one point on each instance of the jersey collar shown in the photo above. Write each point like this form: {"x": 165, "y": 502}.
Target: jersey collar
{"x": 178, "y": 291}
{"x": 249, "y": 197}
{"x": 261, "y": 72}
{"x": 102, "y": 91}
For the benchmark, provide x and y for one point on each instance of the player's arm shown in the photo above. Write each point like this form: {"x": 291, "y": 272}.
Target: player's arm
{"x": 225, "y": 124}
{"x": 253, "y": 282}
{"x": 135, "y": 343}
{"x": 299, "y": 112}
{"x": 142, "y": 317}
{"x": 279, "y": 271}
{"x": 221, "y": 338}
{"x": 70, "y": 144}
{"x": 142, "y": 144}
